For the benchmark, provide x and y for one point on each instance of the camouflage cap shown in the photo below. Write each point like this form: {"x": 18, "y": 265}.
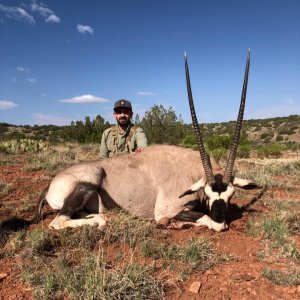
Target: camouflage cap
{"x": 123, "y": 103}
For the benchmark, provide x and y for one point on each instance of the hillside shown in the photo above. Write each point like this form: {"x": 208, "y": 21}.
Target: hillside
{"x": 281, "y": 129}
{"x": 263, "y": 131}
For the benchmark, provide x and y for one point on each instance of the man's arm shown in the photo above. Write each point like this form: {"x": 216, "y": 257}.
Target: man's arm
{"x": 141, "y": 140}
{"x": 103, "y": 146}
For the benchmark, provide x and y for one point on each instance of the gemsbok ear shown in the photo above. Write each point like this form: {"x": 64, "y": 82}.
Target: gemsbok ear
{"x": 194, "y": 188}
{"x": 245, "y": 184}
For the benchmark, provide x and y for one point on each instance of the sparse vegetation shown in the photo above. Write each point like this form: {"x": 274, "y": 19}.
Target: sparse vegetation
{"x": 276, "y": 230}
{"x": 53, "y": 158}
{"x": 270, "y": 150}
{"x": 265, "y": 172}
{"x": 5, "y": 188}
{"x": 135, "y": 260}
{"x": 74, "y": 262}
{"x": 282, "y": 278}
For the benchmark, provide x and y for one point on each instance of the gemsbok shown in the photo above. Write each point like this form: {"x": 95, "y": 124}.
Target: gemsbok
{"x": 158, "y": 183}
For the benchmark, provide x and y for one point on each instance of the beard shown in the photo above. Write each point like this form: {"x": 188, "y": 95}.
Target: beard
{"x": 123, "y": 122}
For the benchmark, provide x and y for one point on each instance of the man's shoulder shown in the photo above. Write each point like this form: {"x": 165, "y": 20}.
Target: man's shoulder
{"x": 107, "y": 131}
{"x": 137, "y": 129}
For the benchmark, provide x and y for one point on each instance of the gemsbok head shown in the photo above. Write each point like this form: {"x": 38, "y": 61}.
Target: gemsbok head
{"x": 218, "y": 188}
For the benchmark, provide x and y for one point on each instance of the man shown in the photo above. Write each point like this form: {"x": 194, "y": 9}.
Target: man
{"x": 124, "y": 138}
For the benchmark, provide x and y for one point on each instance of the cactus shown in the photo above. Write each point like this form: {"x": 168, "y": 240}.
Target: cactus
{"x": 22, "y": 146}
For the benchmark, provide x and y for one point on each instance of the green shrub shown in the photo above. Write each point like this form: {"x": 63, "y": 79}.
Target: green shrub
{"x": 218, "y": 141}
{"x": 190, "y": 141}
{"x": 294, "y": 146}
{"x": 265, "y": 135}
{"x": 270, "y": 150}
{"x": 244, "y": 150}
{"x": 218, "y": 153}
{"x": 286, "y": 130}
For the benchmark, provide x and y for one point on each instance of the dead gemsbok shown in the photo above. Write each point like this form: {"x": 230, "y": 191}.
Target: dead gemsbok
{"x": 158, "y": 183}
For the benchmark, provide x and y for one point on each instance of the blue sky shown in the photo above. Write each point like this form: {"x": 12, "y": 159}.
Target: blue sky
{"x": 63, "y": 60}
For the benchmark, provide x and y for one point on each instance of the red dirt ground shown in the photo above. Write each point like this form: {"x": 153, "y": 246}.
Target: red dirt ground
{"x": 239, "y": 278}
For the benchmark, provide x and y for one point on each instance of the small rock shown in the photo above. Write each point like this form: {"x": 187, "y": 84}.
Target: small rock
{"x": 3, "y": 275}
{"x": 291, "y": 290}
{"x": 298, "y": 289}
{"x": 195, "y": 287}
{"x": 247, "y": 277}
{"x": 236, "y": 278}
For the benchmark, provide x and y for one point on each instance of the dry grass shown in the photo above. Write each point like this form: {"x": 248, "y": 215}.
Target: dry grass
{"x": 84, "y": 263}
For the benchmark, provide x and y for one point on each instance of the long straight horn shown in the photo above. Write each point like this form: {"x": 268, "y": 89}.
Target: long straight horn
{"x": 203, "y": 154}
{"x": 236, "y": 139}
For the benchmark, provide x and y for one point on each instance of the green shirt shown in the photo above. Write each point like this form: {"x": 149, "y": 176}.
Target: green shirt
{"x": 138, "y": 140}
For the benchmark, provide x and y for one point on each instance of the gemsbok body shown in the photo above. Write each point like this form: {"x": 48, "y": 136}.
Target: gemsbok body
{"x": 158, "y": 183}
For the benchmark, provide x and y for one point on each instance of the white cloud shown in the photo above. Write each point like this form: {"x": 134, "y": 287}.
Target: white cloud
{"x": 145, "y": 94}
{"x": 52, "y": 19}
{"x": 42, "y": 119}
{"x": 31, "y": 80}
{"x": 16, "y": 13}
{"x": 41, "y": 8}
{"x": 22, "y": 69}
{"x": 45, "y": 12}
{"x": 85, "y": 99}
{"x": 276, "y": 111}
{"x": 290, "y": 101}
{"x": 4, "y": 104}
{"x": 85, "y": 29}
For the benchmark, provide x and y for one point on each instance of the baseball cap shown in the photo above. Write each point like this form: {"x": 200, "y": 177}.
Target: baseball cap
{"x": 123, "y": 103}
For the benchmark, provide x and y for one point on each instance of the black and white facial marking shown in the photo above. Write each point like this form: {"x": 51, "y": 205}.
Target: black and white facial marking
{"x": 219, "y": 194}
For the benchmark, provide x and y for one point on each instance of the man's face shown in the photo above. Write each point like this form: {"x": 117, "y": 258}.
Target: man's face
{"x": 123, "y": 116}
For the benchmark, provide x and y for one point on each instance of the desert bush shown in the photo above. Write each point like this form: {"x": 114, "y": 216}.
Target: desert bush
{"x": 293, "y": 146}
{"x": 218, "y": 153}
{"x": 270, "y": 150}
{"x": 244, "y": 150}
{"x": 217, "y": 141}
{"x": 266, "y": 135}
{"x": 286, "y": 130}
{"x": 190, "y": 141}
